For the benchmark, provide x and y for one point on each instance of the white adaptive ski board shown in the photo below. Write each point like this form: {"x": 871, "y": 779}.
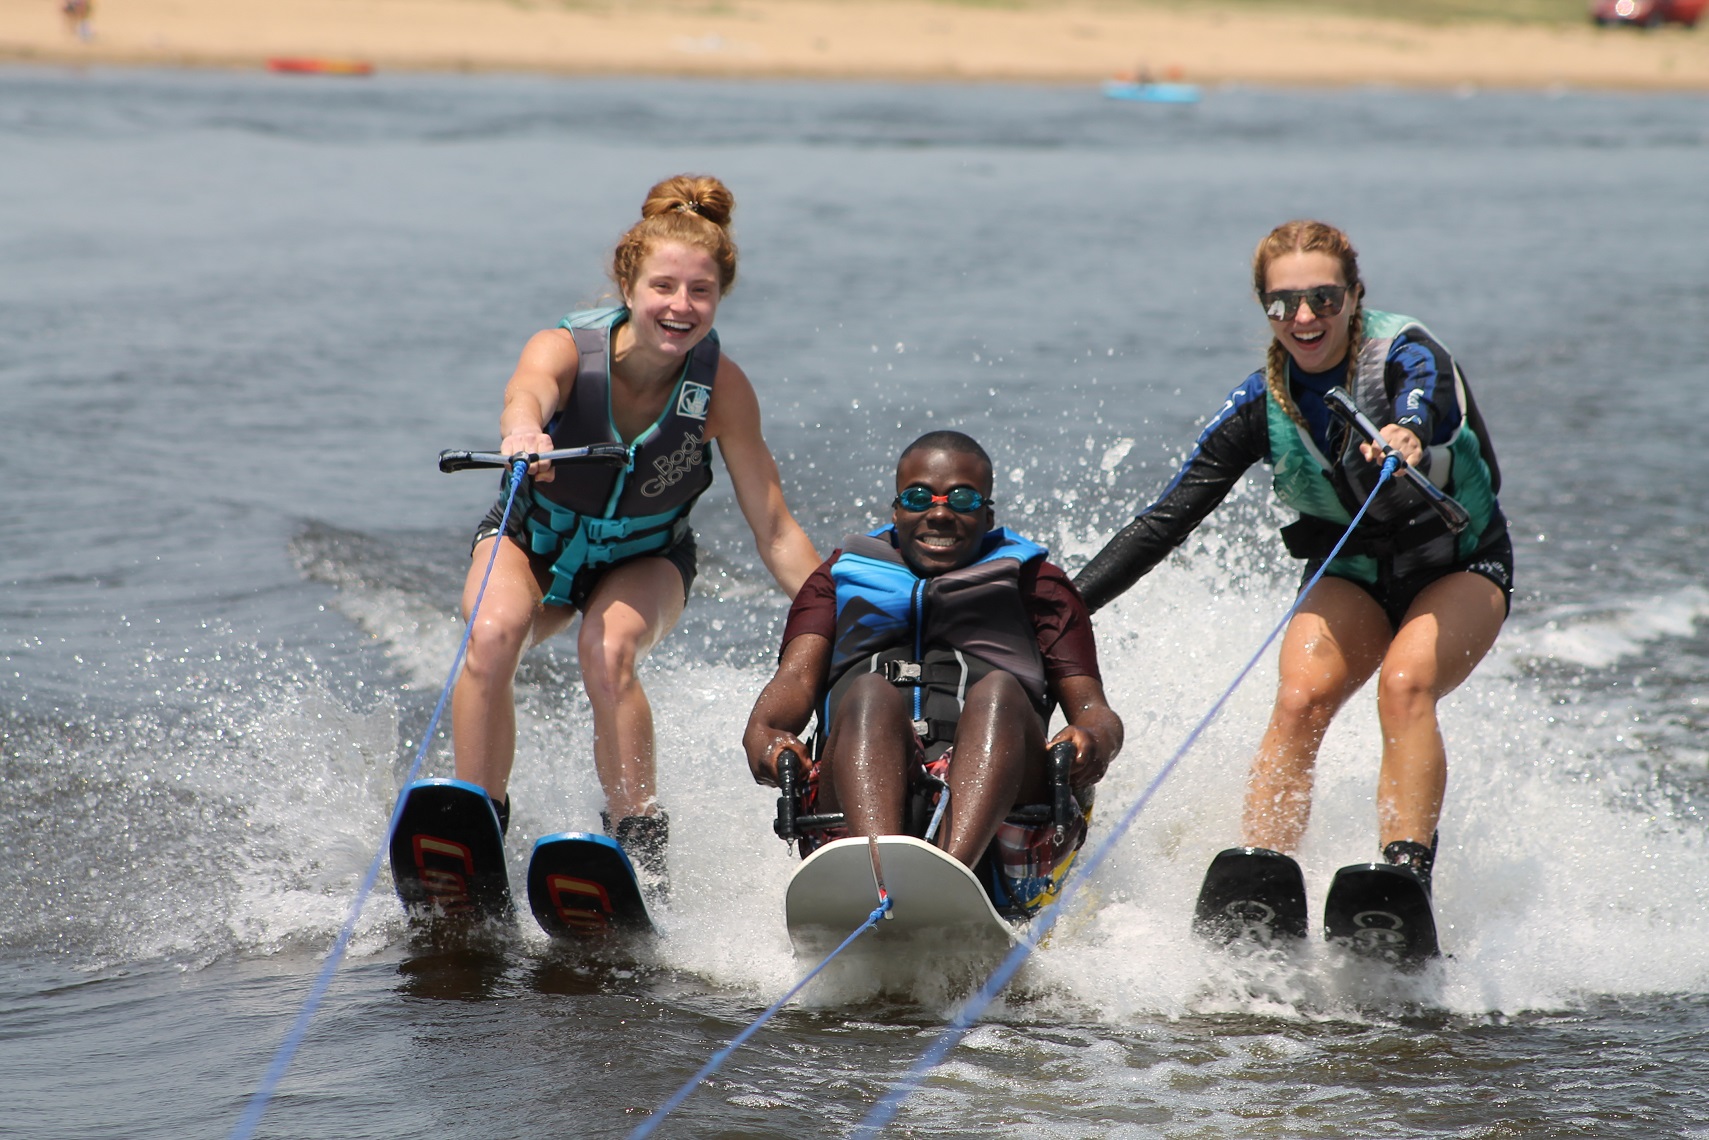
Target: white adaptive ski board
{"x": 937, "y": 906}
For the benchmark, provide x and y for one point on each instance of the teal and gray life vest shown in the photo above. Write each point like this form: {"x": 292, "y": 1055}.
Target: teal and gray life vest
{"x": 1400, "y": 535}
{"x": 934, "y": 637}
{"x": 591, "y": 515}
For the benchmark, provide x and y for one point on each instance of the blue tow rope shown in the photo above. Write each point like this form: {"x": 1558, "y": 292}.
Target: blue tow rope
{"x": 888, "y": 1105}
{"x": 288, "y": 1048}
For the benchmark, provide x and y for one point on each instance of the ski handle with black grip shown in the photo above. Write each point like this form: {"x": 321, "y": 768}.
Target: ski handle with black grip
{"x": 1456, "y": 517}
{"x": 1061, "y": 795}
{"x": 454, "y": 460}
{"x": 784, "y": 825}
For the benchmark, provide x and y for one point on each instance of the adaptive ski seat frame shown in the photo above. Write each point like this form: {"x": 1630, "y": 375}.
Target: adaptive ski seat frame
{"x": 791, "y": 825}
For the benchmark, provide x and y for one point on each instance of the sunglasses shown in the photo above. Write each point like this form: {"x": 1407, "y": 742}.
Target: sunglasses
{"x": 1325, "y": 301}
{"x": 962, "y": 500}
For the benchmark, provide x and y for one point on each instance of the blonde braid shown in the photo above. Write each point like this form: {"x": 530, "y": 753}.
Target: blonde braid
{"x": 1276, "y": 382}
{"x": 1355, "y": 340}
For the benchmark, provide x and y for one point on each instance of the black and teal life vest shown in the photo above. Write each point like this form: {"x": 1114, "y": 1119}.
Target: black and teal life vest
{"x": 1400, "y": 535}
{"x": 934, "y": 636}
{"x": 592, "y": 515}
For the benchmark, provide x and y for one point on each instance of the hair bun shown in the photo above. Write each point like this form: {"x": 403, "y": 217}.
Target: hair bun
{"x": 676, "y": 210}
{"x": 698, "y": 194}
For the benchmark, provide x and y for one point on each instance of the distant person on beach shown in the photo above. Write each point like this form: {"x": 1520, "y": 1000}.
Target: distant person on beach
{"x": 938, "y": 646}
{"x": 77, "y": 14}
{"x": 1405, "y": 599}
{"x": 614, "y": 543}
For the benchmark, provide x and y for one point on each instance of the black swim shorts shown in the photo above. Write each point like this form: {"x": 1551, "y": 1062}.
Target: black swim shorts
{"x": 1396, "y": 595}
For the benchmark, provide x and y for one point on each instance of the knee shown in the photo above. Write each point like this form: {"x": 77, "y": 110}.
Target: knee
{"x": 998, "y": 688}
{"x": 607, "y": 658}
{"x": 1404, "y": 694}
{"x": 1305, "y": 706}
{"x": 994, "y": 695}
{"x": 870, "y": 694}
{"x": 496, "y": 641}
{"x": 872, "y": 720}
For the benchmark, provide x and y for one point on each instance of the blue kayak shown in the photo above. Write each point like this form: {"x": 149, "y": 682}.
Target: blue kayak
{"x": 1151, "y": 92}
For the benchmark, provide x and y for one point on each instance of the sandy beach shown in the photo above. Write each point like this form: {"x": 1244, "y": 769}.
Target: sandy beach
{"x": 853, "y": 39}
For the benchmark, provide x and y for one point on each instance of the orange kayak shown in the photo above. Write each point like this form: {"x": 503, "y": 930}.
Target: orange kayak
{"x": 316, "y": 66}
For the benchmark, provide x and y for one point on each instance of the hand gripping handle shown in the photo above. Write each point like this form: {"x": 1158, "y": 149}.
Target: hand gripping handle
{"x": 1456, "y": 517}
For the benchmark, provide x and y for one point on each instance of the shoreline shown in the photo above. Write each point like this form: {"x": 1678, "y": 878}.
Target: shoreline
{"x": 892, "y": 40}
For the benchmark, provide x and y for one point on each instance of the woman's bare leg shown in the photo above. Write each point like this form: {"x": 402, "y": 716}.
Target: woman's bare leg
{"x": 483, "y": 708}
{"x": 1332, "y": 645}
{"x": 631, "y": 609}
{"x": 1451, "y": 626}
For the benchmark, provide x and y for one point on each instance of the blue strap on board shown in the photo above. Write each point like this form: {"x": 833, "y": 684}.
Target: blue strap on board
{"x": 293, "y": 1040}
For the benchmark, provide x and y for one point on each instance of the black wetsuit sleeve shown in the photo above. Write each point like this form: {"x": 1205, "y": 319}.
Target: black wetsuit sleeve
{"x": 1234, "y": 441}
{"x": 1420, "y": 379}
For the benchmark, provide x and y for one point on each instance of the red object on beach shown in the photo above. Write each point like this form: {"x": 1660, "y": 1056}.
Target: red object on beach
{"x": 317, "y": 66}
{"x": 1648, "y": 13}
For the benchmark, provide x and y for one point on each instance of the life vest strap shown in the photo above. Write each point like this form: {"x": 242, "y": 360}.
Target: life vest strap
{"x": 576, "y": 541}
{"x": 933, "y": 731}
{"x": 923, "y": 673}
{"x": 1314, "y": 537}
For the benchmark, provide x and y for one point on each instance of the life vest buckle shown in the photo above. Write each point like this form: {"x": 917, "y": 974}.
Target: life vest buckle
{"x": 605, "y": 530}
{"x": 903, "y": 672}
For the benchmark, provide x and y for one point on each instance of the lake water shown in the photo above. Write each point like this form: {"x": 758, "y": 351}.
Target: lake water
{"x": 240, "y": 314}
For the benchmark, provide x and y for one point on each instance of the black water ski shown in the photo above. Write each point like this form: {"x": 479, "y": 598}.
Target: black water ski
{"x": 1381, "y": 911}
{"x": 582, "y": 887}
{"x": 448, "y": 855}
{"x": 1251, "y": 895}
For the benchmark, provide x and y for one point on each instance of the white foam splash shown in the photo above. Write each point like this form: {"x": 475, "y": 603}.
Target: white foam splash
{"x": 1605, "y": 635}
{"x": 1546, "y": 859}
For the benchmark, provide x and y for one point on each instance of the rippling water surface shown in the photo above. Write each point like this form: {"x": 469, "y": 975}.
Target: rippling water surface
{"x": 240, "y": 314}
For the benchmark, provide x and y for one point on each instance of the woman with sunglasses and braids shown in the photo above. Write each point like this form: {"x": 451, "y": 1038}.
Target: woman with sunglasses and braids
{"x": 614, "y": 544}
{"x": 1406, "y": 599}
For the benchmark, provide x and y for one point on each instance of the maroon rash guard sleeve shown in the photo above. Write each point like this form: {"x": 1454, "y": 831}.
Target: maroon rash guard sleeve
{"x": 1061, "y": 621}
{"x": 814, "y": 609}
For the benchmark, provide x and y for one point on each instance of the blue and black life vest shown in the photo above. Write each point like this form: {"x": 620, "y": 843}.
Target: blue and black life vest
{"x": 936, "y": 636}
{"x": 592, "y": 515}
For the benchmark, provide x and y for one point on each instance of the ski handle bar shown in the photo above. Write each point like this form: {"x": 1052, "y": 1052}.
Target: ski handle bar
{"x": 451, "y": 460}
{"x": 1451, "y": 512}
